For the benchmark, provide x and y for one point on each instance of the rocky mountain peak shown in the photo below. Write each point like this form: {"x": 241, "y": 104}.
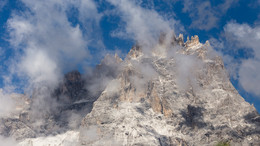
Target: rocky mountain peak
{"x": 135, "y": 52}
{"x": 180, "y": 40}
{"x": 71, "y": 87}
{"x": 118, "y": 59}
{"x": 160, "y": 101}
{"x": 183, "y": 97}
{"x": 73, "y": 76}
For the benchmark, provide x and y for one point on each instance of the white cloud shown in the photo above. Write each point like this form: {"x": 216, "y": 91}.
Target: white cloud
{"x": 249, "y": 76}
{"x": 205, "y": 16}
{"x": 1, "y": 53}
{"x": 245, "y": 36}
{"x": 142, "y": 25}
{"x": 46, "y": 42}
{"x": 39, "y": 67}
{"x": 186, "y": 71}
{"x": 113, "y": 87}
{"x": 90, "y": 18}
{"x": 7, "y": 104}
{"x": 145, "y": 73}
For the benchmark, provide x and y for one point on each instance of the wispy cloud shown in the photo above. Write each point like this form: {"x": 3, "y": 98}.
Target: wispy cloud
{"x": 2, "y": 4}
{"x": 7, "y": 104}
{"x": 246, "y": 37}
{"x": 141, "y": 25}
{"x": 204, "y": 15}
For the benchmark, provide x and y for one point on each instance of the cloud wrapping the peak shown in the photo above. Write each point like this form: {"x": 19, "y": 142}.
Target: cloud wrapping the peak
{"x": 7, "y": 104}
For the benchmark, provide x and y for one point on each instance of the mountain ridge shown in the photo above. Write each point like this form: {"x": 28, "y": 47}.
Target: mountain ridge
{"x": 192, "y": 114}
{"x": 177, "y": 93}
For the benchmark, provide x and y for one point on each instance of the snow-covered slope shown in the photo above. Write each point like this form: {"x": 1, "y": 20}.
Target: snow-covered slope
{"x": 70, "y": 138}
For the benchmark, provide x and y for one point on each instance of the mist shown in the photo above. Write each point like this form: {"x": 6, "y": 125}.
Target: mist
{"x": 7, "y": 104}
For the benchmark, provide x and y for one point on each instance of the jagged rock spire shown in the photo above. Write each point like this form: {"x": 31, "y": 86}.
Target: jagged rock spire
{"x": 194, "y": 41}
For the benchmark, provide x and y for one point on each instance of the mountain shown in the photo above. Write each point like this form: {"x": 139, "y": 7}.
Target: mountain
{"x": 176, "y": 93}
{"x": 165, "y": 99}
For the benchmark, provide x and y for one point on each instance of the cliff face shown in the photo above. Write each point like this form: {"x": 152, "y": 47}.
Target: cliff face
{"x": 178, "y": 94}
{"x": 172, "y": 100}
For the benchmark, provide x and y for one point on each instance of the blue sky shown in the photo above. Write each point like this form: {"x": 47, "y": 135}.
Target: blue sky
{"x": 42, "y": 33}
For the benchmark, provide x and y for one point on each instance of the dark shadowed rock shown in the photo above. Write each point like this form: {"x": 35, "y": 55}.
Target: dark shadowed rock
{"x": 72, "y": 88}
